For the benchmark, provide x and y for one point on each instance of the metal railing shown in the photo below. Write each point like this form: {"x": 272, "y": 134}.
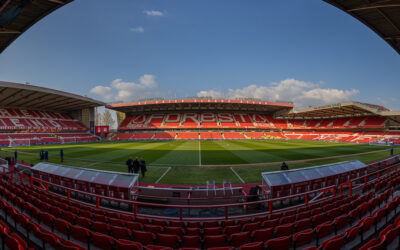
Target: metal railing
{"x": 266, "y": 205}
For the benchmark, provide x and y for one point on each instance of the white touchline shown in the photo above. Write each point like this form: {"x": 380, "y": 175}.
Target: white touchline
{"x": 237, "y": 175}
{"x": 162, "y": 176}
{"x": 199, "y": 153}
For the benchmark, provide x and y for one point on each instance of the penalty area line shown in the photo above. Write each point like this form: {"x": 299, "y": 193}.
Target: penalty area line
{"x": 237, "y": 175}
{"x": 92, "y": 164}
{"x": 162, "y": 176}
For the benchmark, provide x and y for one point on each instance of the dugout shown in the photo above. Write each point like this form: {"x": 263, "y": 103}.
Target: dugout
{"x": 284, "y": 183}
{"x": 105, "y": 183}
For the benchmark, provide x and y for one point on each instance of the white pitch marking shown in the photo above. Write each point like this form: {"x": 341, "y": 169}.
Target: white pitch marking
{"x": 237, "y": 175}
{"x": 92, "y": 164}
{"x": 162, "y": 176}
{"x": 199, "y": 154}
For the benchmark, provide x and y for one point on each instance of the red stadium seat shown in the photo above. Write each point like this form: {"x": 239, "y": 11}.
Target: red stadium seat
{"x": 127, "y": 245}
{"x": 162, "y": 223}
{"x": 191, "y": 241}
{"x": 84, "y": 222}
{"x": 13, "y": 243}
{"x": 101, "y": 227}
{"x": 193, "y": 231}
{"x": 62, "y": 226}
{"x": 239, "y": 239}
{"x": 102, "y": 241}
{"x": 262, "y": 234}
{"x": 370, "y": 244}
{"x": 210, "y": 224}
{"x": 133, "y": 225}
{"x": 174, "y": 230}
{"x": 145, "y": 238}
{"x": 153, "y": 228}
{"x": 281, "y": 243}
{"x": 68, "y": 245}
{"x": 252, "y": 246}
{"x": 232, "y": 229}
{"x": 154, "y": 247}
{"x": 324, "y": 230}
{"x": 212, "y": 230}
{"x": 301, "y": 225}
{"x": 270, "y": 223}
{"x": 168, "y": 240}
{"x": 215, "y": 241}
{"x": 336, "y": 242}
{"x": 80, "y": 234}
{"x": 303, "y": 238}
{"x": 284, "y": 230}
{"x": 121, "y": 233}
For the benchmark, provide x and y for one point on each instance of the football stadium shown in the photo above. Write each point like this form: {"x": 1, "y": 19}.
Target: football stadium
{"x": 197, "y": 172}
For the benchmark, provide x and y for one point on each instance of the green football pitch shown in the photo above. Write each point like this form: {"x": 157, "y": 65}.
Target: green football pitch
{"x": 195, "y": 162}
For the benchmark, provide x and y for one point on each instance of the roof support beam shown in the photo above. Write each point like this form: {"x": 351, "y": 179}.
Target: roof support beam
{"x": 57, "y": 1}
{"x": 10, "y": 96}
{"x": 375, "y": 6}
{"x": 7, "y": 31}
{"x": 31, "y": 101}
{"x": 4, "y": 5}
{"x": 389, "y": 20}
{"x": 392, "y": 38}
{"x": 46, "y": 103}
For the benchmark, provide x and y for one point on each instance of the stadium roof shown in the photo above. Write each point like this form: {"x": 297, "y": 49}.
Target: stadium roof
{"x": 344, "y": 109}
{"x": 382, "y": 16}
{"x": 16, "y": 16}
{"x": 16, "y": 95}
{"x": 200, "y": 104}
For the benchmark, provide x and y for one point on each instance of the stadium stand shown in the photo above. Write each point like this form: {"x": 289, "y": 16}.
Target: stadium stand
{"x": 242, "y": 121}
{"x": 164, "y": 136}
{"x": 188, "y": 135}
{"x": 234, "y": 135}
{"x": 211, "y": 135}
{"x": 19, "y": 119}
{"x": 364, "y": 123}
{"x": 34, "y": 217}
{"x": 41, "y": 115}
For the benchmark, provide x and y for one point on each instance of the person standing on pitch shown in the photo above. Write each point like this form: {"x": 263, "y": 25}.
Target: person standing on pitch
{"x": 62, "y": 155}
{"x": 142, "y": 165}
{"x": 46, "y": 155}
{"x": 16, "y": 156}
{"x": 129, "y": 163}
{"x": 136, "y": 165}
{"x": 284, "y": 166}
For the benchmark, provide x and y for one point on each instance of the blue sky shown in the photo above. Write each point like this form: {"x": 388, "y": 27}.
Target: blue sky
{"x": 304, "y": 51}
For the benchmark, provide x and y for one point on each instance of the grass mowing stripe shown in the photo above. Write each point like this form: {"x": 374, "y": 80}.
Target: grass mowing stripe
{"x": 212, "y": 153}
{"x": 183, "y": 154}
{"x": 255, "y": 154}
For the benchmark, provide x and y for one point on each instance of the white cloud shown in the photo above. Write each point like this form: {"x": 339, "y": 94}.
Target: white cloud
{"x": 120, "y": 90}
{"x": 105, "y": 92}
{"x": 138, "y": 29}
{"x": 153, "y": 13}
{"x": 303, "y": 94}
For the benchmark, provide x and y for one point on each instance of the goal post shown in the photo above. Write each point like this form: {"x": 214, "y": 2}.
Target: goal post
{"x": 19, "y": 142}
